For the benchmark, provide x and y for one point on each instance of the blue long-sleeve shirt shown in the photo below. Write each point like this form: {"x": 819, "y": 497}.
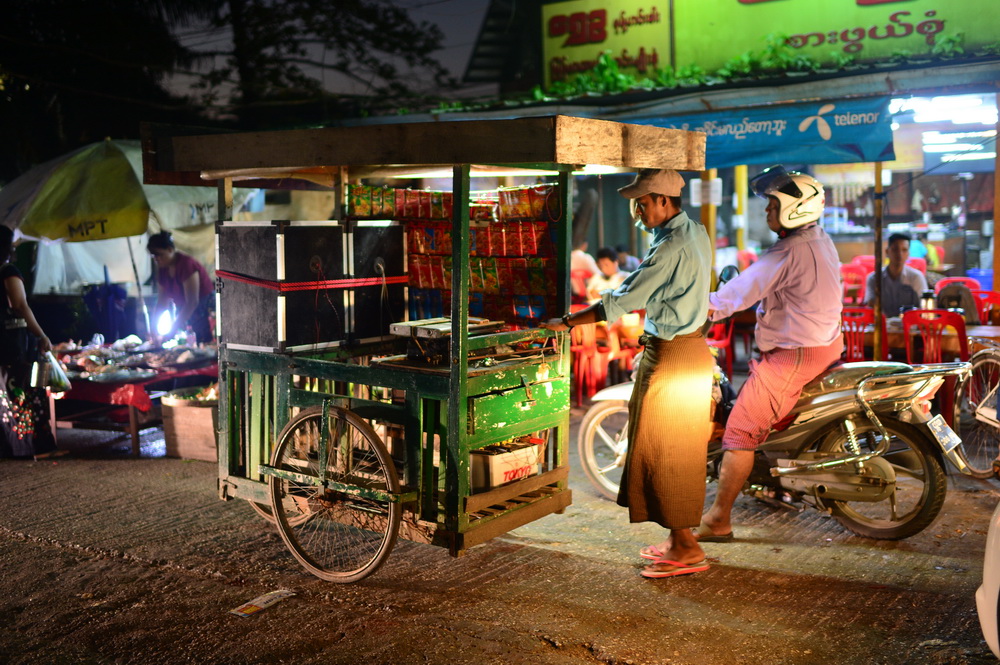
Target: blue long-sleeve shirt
{"x": 671, "y": 283}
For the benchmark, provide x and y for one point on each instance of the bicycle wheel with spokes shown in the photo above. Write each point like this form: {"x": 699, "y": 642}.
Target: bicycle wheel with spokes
{"x": 340, "y": 524}
{"x": 975, "y": 408}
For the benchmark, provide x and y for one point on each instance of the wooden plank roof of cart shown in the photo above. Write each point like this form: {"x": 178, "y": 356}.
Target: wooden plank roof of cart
{"x": 176, "y": 156}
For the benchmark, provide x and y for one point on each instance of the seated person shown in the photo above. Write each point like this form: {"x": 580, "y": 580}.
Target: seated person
{"x": 626, "y": 261}
{"x": 901, "y": 284}
{"x": 608, "y": 275}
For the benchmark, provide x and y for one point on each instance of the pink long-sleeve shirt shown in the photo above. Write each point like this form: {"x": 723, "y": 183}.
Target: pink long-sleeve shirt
{"x": 797, "y": 284}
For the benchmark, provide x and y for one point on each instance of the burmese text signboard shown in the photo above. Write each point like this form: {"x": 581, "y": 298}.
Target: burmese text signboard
{"x": 575, "y": 33}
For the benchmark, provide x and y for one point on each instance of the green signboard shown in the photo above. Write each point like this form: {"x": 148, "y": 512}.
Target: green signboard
{"x": 644, "y": 36}
{"x": 710, "y": 32}
{"x": 575, "y": 33}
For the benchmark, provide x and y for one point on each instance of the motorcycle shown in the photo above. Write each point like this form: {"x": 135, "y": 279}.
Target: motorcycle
{"x": 861, "y": 444}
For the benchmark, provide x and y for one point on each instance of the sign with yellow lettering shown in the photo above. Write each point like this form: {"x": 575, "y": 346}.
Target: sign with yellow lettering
{"x": 577, "y": 32}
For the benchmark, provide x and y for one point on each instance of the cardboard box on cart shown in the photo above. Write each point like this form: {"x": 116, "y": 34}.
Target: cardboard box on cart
{"x": 500, "y": 464}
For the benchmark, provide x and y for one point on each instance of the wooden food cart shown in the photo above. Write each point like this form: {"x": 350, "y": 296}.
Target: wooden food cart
{"x": 355, "y": 436}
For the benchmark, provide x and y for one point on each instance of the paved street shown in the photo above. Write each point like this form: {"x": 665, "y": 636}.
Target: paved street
{"x": 109, "y": 559}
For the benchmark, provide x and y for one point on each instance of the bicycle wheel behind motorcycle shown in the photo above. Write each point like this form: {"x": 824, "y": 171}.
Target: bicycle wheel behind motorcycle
{"x": 975, "y": 403}
{"x": 919, "y": 490}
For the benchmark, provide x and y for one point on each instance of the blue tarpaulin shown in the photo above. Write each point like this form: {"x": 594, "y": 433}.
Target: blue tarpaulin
{"x": 821, "y": 132}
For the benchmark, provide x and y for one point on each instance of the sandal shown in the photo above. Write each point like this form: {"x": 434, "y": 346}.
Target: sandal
{"x": 674, "y": 568}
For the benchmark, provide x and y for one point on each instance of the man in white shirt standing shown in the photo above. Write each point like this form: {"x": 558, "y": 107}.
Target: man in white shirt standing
{"x": 901, "y": 284}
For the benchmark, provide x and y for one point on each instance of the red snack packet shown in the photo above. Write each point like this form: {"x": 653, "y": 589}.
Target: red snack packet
{"x": 411, "y": 206}
{"x": 388, "y": 210}
{"x": 447, "y": 203}
{"x": 491, "y": 277}
{"x": 476, "y": 274}
{"x": 417, "y": 272}
{"x": 544, "y": 201}
{"x": 442, "y": 238}
{"x": 497, "y": 236}
{"x": 424, "y": 204}
{"x": 504, "y": 278}
{"x": 519, "y": 283}
{"x": 446, "y": 270}
{"x": 399, "y": 203}
{"x": 437, "y": 205}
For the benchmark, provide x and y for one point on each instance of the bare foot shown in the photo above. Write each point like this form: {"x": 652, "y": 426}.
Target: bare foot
{"x": 681, "y": 546}
{"x": 703, "y": 532}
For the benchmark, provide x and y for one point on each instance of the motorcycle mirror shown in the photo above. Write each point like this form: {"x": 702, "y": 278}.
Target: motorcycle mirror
{"x": 728, "y": 274}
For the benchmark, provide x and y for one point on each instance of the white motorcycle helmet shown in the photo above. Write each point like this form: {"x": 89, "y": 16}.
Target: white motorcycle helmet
{"x": 801, "y": 198}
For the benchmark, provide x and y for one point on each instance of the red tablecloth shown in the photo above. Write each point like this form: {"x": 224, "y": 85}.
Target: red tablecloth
{"x": 133, "y": 393}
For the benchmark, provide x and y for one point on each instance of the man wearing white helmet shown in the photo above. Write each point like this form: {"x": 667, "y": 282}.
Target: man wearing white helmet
{"x": 797, "y": 283}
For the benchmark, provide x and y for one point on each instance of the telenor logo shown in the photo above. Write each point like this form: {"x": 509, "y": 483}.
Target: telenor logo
{"x": 821, "y": 124}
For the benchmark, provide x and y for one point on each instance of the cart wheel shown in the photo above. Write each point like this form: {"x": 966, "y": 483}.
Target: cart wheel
{"x": 337, "y": 536}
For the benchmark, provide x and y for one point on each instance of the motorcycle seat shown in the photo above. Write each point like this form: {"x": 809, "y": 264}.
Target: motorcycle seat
{"x": 847, "y": 376}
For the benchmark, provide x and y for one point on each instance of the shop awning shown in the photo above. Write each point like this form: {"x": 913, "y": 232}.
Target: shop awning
{"x": 820, "y": 132}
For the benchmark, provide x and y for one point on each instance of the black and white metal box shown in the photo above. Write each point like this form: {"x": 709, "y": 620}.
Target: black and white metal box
{"x": 299, "y": 286}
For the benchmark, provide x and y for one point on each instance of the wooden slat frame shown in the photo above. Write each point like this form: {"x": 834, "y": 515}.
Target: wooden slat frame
{"x": 539, "y": 140}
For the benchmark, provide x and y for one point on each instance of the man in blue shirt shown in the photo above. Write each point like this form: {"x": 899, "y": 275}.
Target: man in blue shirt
{"x": 901, "y": 284}
{"x": 664, "y": 475}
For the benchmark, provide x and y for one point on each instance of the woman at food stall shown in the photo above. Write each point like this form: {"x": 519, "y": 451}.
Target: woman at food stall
{"x": 183, "y": 282}
{"x": 24, "y": 411}
{"x": 664, "y": 475}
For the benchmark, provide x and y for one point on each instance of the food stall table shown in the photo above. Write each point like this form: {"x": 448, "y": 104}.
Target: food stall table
{"x": 135, "y": 395}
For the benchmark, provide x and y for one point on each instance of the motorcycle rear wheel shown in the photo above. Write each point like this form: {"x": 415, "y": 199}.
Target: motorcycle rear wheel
{"x": 920, "y": 490}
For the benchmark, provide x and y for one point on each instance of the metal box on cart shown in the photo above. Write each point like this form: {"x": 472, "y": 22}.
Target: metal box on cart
{"x": 295, "y": 286}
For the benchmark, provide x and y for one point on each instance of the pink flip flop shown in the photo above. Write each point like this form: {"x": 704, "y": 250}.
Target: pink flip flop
{"x": 651, "y": 552}
{"x": 676, "y": 568}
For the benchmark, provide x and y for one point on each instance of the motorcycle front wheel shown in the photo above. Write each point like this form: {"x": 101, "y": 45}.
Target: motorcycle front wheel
{"x": 920, "y": 483}
{"x": 602, "y": 443}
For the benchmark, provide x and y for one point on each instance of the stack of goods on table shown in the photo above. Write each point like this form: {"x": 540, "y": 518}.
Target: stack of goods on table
{"x": 512, "y": 266}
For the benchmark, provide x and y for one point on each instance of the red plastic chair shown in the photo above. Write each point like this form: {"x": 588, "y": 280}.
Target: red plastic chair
{"x": 745, "y": 258}
{"x": 865, "y": 260}
{"x": 918, "y": 264}
{"x": 852, "y": 274}
{"x": 986, "y": 301}
{"x": 720, "y": 336}
{"x": 589, "y": 361}
{"x": 939, "y": 251}
{"x": 578, "y": 285}
{"x": 930, "y": 324}
{"x": 854, "y": 321}
{"x": 623, "y": 346}
{"x": 968, "y": 281}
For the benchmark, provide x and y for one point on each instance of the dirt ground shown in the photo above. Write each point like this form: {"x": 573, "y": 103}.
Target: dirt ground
{"x": 111, "y": 559}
